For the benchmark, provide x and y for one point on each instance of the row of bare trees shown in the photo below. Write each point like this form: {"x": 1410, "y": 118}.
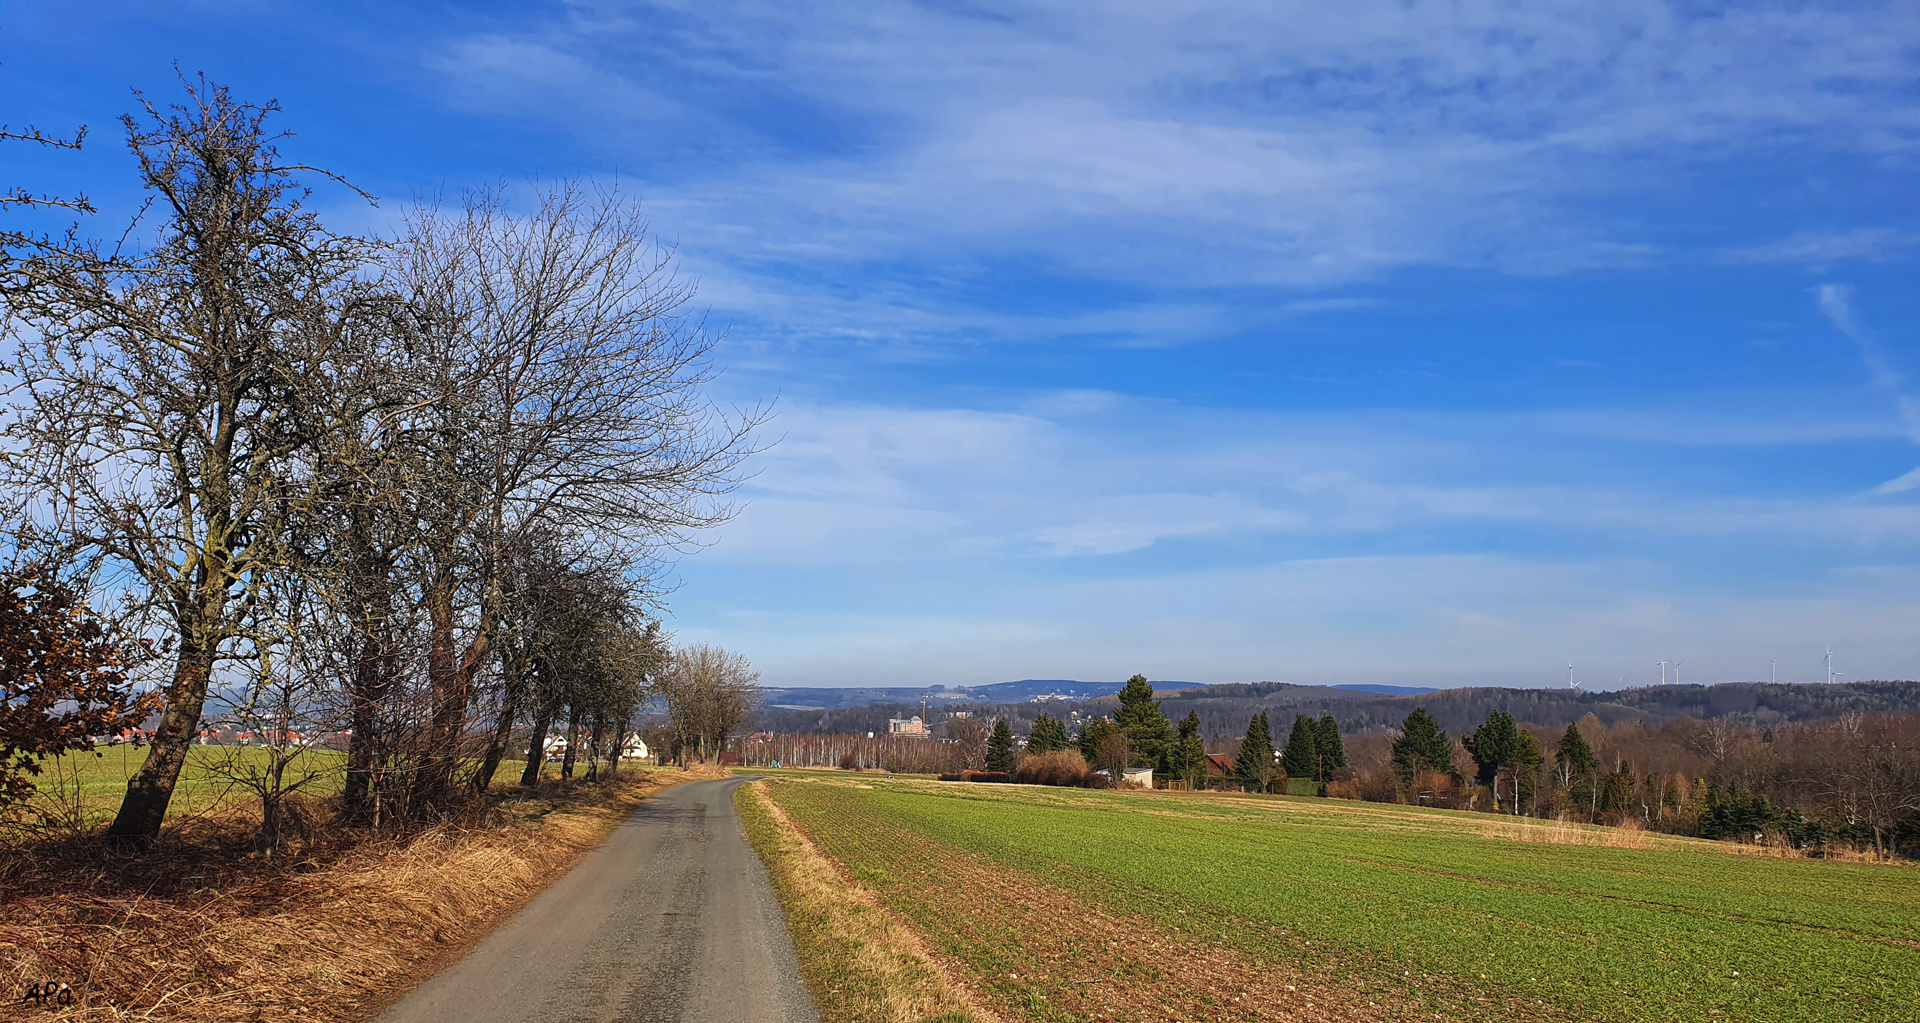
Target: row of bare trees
{"x": 414, "y": 488}
{"x": 1851, "y": 780}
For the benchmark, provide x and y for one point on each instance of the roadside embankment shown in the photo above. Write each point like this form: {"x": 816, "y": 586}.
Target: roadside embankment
{"x": 336, "y": 928}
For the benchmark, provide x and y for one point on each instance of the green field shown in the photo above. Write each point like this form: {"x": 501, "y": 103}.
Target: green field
{"x": 1380, "y": 897}
{"x": 95, "y": 783}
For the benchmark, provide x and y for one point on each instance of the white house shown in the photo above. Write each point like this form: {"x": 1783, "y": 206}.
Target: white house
{"x": 635, "y": 749}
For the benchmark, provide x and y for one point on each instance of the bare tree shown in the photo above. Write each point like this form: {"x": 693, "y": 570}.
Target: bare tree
{"x": 970, "y": 738}
{"x": 567, "y": 389}
{"x": 708, "y": 693}
{"x": 164, "y": 394}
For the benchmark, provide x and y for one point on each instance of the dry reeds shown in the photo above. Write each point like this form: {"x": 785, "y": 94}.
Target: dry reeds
{"x": 200, "y": 930}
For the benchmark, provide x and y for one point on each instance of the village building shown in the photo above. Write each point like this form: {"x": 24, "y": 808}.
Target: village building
{"x": 912, "y": 726}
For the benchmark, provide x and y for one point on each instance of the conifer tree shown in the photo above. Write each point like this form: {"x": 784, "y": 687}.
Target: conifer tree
{"x": 1192, "y": 749}
{"x": 1422, "y": 746}
{"x": 1494, "y": 745}
{"x": 1254, "y": 766}
{"x": 1000, "y": 747}
{"x": 1141, "y": 721}
{"x": 1090, "y": 735}
{"x": 1195, "y": 761}
{"x": 1302, "y": 756}
{"x": 1573, "y": 757}
{"x": 1048, "y": 735}
{"x": 1333, "y": 750}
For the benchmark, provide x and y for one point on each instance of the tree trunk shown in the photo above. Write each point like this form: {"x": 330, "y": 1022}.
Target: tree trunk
{"x": 537, "y": 748}
{"x": 443, "y": 680}
{"x": 573, "y": 742}
{"x": 593, "y": 747}
{"x": 372, "y": 680}
{"x": 150, "y": 789}
{"x": 511, "y": 694}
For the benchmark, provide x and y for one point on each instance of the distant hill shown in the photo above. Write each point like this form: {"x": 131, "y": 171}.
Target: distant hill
{"x": 1226, "y": 708}
{"x": 1026, "y": 690}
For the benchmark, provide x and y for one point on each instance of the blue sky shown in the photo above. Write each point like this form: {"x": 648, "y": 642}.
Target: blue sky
{"x": 1408, "y": 343}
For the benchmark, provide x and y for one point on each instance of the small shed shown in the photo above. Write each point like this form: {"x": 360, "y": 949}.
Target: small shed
{"x": 1141, "y": 776}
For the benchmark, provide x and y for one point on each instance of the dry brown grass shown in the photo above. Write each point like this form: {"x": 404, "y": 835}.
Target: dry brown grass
{"x": 198, "y": 930}
{"x": 861, "y": 961}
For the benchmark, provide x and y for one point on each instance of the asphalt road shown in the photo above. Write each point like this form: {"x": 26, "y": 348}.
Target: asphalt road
{"x": 671, "y": 921}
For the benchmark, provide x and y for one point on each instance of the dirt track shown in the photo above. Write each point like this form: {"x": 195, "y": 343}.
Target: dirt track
{"x": 671, "y": 921}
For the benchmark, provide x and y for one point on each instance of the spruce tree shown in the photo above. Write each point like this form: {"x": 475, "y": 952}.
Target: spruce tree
{"x": 1090, "y": 735}
{"x": 1302, "y": 756}
{"x": 1422, "y": 746}
{"x": 1254, "y": 766}
{"x": 1333, "y": 749}
{"x": 1048, "y": 735}
{"x": 1146, "y": 728}
{"x": 1572, "y": 756}
{"x": 1000, "y": 747}
{"x": 1195, "y": 761}
{"x": 1494, "y": 745}
{"x": 1190, "y": 725}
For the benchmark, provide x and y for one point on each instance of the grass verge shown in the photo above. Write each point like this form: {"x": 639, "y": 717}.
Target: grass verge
{"x": 199, "y": 930}
{"x": 860, "y": 963}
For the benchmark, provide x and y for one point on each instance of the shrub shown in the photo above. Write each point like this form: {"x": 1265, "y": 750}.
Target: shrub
{"x": 1064, "y": 767}
{"x": 997, "y": 776}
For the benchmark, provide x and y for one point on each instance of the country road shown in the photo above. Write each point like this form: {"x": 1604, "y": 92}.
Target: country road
{"x": 671, "y": 921}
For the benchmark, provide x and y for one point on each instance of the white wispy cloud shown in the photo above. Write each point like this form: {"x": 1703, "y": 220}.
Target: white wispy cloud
{"x": 1214, "y": 144}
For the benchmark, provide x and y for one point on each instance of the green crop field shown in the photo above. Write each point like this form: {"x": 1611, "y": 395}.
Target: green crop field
{"x": 1427, "y": 911}
{"x": 92, "y": 784}
{"x": 95, "y": 782}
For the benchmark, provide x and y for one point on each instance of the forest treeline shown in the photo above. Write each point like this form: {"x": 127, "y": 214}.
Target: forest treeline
{"x": 1225, "y": 709}
{"x": 410, "y": 491}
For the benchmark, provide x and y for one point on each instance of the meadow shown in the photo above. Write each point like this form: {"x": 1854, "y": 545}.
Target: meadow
{"x": 84, "y": 789}
{"x": 1058, "y": 900}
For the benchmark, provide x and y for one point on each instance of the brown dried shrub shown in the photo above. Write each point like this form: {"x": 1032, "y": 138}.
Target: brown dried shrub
{"x": 1065, "y": 768}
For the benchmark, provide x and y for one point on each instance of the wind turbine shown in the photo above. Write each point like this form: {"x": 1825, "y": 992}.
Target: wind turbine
{"x": 1774, "y": 663}
{"x": 1831, "y": 674}
{"x": 1663, "y": 673}
{"x": 1571, "y": 684}
{"x": 1676, "y": 670}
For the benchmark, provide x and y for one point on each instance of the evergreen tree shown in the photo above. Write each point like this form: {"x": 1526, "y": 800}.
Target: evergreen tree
{"x": 1146, "y": 728}
{"x": 1194, "y": 763}
{"x": 1302, "y": 756}
{"x": 1573, "y": 757}
{"x": 1049, "y": 734}
{"x": 1254, "y": 766}
{"x": 1422, "y": 746}
{"x": 1091, "y": 733}
{"x": 1333, "y": 750}
{"x": 1494, "y": 745}
{"x": 1000, "y": 747}
{"x": 1192, "y": 750}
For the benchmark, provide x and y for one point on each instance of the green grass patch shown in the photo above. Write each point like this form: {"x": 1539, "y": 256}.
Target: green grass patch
{"x": 92, "y": 785}
{"x": 1380, "y": 896}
